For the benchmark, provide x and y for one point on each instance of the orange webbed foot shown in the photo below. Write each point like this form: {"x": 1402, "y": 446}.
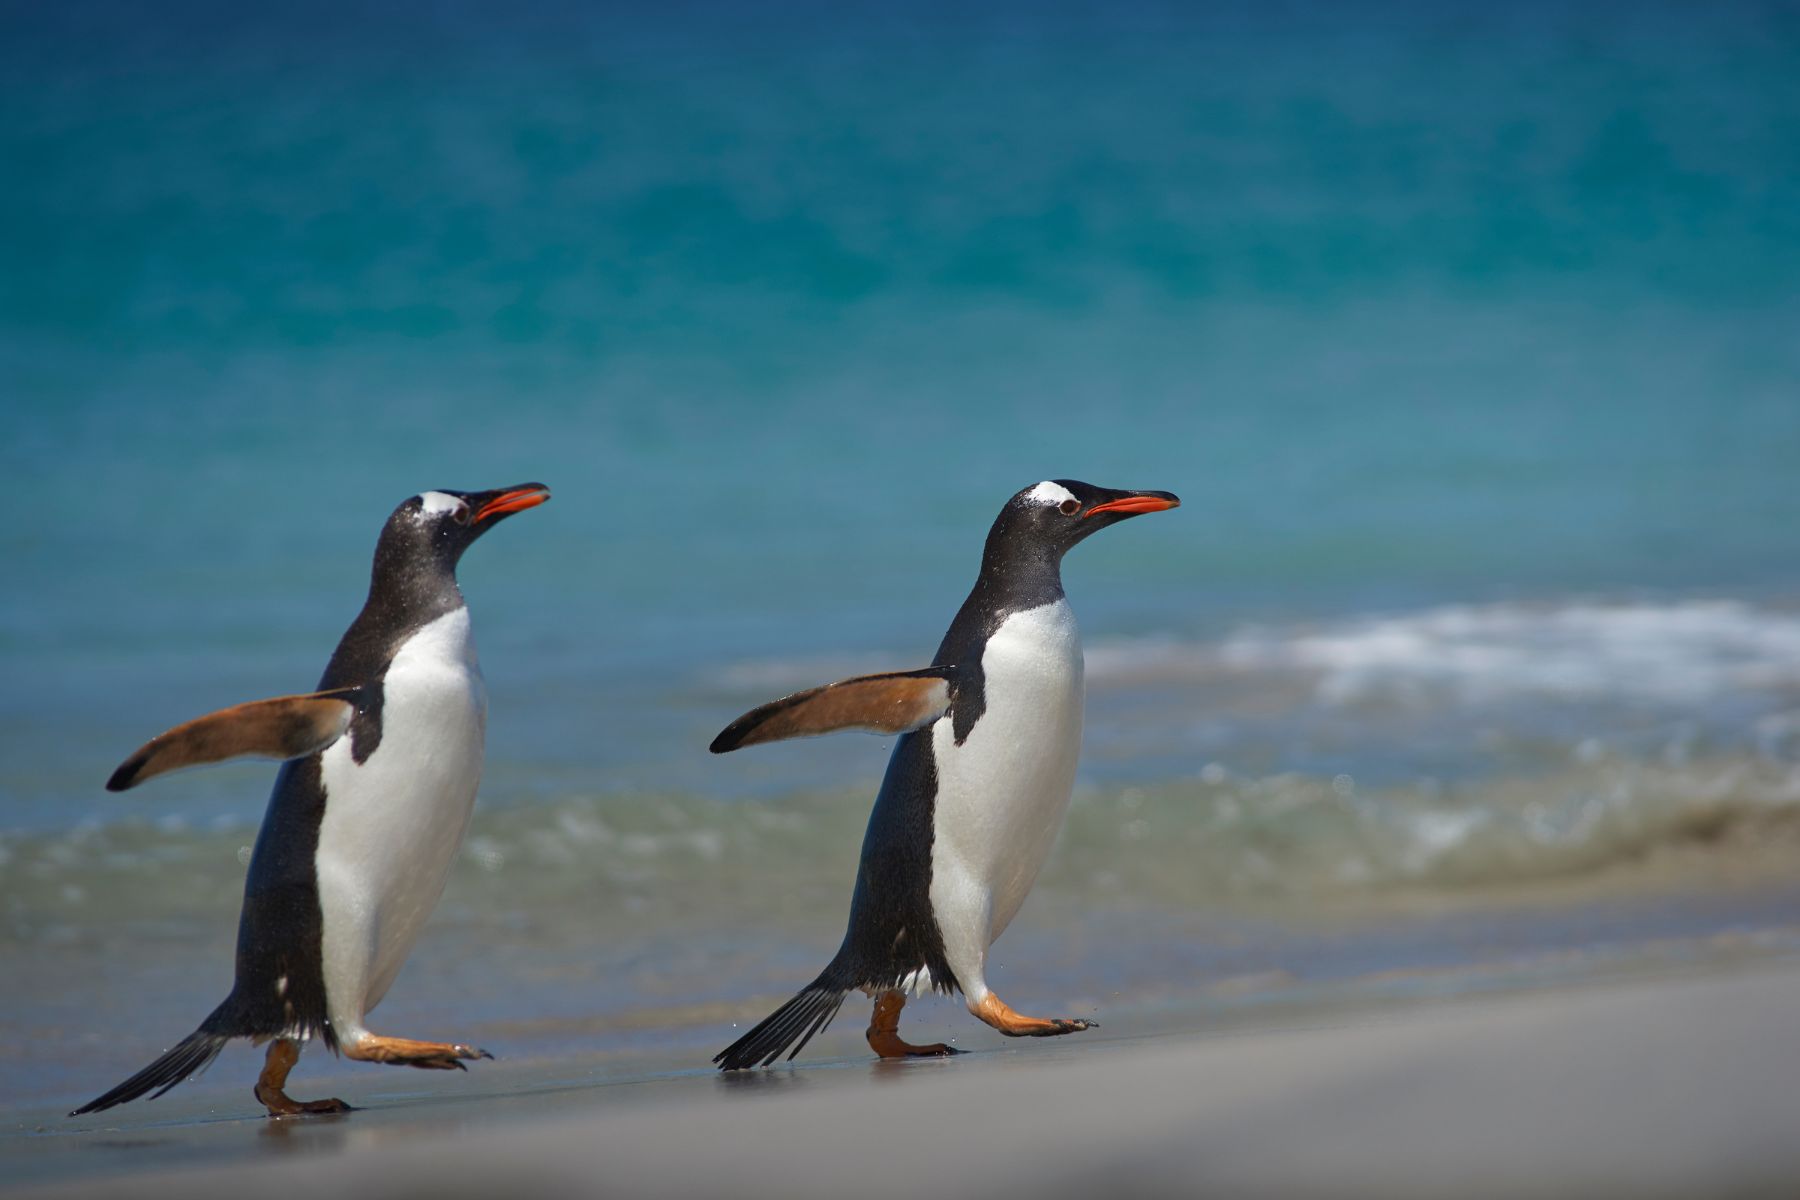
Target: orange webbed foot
{"x": 406, "y": 1052}
{"x": 996, "y": 1012}
{"x": 282, "y": 1056}
{"x": 884, "y": 1036}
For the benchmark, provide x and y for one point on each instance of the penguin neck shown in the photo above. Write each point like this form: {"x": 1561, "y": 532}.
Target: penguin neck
{"x": 1016, "y": 576}
{"x": 405, "y": 595}
{"x": 410, "y": 594}
{"x": 1018, "y": 573}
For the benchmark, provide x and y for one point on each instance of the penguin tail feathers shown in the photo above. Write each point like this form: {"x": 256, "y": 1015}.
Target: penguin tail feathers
{"x": 190, "y": 1056}
{"x": 793, "y": 1024}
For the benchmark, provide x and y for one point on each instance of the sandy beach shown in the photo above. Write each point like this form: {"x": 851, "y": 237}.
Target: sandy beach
{"x": 1663, "y": 1086}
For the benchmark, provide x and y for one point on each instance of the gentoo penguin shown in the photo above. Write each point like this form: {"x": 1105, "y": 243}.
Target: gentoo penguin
{"x": 976, "y": 788}
{"x": 370, "y": 806}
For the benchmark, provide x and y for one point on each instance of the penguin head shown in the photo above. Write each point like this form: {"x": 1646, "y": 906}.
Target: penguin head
{"x": 428, "y": 533}
{"x": 1057, "y": 513}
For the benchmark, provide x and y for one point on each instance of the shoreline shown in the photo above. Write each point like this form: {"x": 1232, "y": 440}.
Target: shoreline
{"x": 1667, "y": 1084}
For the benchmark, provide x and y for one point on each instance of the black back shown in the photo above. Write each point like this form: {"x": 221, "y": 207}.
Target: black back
{"x": 892, "y": 931}
{"x": 412, "y": 583}
{"x": 280, "y": 987}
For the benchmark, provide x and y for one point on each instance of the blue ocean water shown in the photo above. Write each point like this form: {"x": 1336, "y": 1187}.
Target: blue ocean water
{"x": 1466, "y": 333}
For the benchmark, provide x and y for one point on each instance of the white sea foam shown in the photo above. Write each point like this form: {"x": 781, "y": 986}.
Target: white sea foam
{"x": 1678, "y": 653}
{"x": 1674, "y": 653}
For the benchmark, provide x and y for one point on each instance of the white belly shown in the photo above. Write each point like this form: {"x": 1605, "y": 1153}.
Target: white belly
{"x": 1003, "y": 793}
{"x": 394, "y": 822}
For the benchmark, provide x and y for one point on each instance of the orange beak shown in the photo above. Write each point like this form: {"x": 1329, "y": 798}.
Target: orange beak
{"x": 1134, "y": 504}
{"x": 516, "y": 500}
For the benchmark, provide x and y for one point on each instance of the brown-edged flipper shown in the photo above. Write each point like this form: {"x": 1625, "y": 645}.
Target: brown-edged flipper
{"x": 892, "y": 702}
{"x": 283, "y": 728}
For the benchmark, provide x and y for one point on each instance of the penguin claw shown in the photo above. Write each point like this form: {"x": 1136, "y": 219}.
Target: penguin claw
{"x": 458, "y": 1052}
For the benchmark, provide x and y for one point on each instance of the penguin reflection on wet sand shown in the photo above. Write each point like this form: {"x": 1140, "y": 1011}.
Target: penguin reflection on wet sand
{"x": 381, "y": 767}
{"x": 975, "y": 791}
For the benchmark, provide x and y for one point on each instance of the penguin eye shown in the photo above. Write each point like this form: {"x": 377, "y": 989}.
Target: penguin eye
{"x": 460, "y": 514}
{"x": 1069, "y": 507}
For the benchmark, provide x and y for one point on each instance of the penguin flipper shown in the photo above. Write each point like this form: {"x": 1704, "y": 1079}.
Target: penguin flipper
{"x": 892, "y": 702}
{"x": 283, "y": 728}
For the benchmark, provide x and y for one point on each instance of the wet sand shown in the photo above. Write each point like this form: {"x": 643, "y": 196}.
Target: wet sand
{"x": 1666, "y": 1086}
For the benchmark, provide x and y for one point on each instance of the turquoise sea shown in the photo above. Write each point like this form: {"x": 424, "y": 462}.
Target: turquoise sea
{"x": 1469, "y": 335}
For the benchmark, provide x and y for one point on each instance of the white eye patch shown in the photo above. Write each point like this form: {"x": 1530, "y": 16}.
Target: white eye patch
{"x": 433, "y": 503}
{"x": 1051, "y": 494}
{"x": 438, "y": 502}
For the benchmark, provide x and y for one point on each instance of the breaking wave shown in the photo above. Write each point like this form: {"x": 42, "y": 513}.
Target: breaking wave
{"x": 1180, "y": 811}
{"x": 1297, "y": 836}
{"x": 1675, "y": 653}
{"x": 1213, "y": 838}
